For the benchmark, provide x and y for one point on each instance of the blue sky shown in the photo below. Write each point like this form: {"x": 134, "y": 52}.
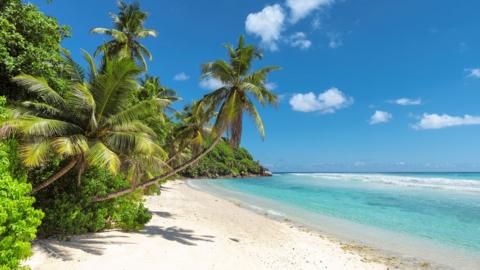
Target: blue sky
{"x": 365, "y": 85}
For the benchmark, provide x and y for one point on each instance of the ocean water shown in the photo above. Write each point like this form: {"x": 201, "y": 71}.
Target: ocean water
{"x": 429, "y": 215}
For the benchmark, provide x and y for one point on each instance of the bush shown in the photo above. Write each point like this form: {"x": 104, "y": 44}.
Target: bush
{"x": 69, "y": 211}
{"x": 29, "y": 43}
{"x": 223, "y": 160}
{"x": 18, "y": 219}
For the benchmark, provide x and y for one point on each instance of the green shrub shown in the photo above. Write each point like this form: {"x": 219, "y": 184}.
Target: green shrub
{"x": 18, "y": 219}
{"x": 223, "y": 160}
{"x": 29, "y": 43}
{"x": 69, "y": 211}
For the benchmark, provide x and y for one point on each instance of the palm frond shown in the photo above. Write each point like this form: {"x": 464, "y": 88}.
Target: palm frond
{"x": 226, "y": 114}
{"x": 73, "y": 70}
{"x": 101, "y": 30}
{"x": 31, "y": 126}
{"x": 37, "y": 109}
{"x": 92, "y": 67}
{"x": 138, "y": 111}
{"x": 35, "y": 154}
{"x": 134, "y": 126}
{"x": 147, "y": 32}
{"x": 100, "y": 155}
{"x": 145, "y": 51}
{"x": 133, "y": 142}
{"x": 40, "y": 87}
{"x": 113, "y": 88}
{"x": 70, "y": 146}
{"x": 252, "y": 111}
{"x": 220, "y": 70}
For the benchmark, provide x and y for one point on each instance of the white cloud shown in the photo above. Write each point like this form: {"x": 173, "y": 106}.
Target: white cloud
{"x": 271, "y": 86}
{"x": 407, "y": 101}
{"x": 299, "y": 39}
{"x": 334, "y": 40}
{"x": 182, "y": 76}
{"x": 473, "y": 72}
{"x": 210, "y": 84}
{"x": 326, "y": 102}
{"x": 300, "y": 9}
{"x": 380, "y": 117}
{"x": 267, "y": 24}
{"x": 436, "y": 121}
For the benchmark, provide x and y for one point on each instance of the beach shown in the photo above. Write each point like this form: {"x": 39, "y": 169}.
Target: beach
{"x": 191, "y": 229}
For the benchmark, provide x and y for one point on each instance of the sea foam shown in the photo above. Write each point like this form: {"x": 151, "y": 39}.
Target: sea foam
{"x": 457, "y": 184}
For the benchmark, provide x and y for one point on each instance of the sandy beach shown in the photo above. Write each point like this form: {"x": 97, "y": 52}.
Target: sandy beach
{"x": 191, "y": 229}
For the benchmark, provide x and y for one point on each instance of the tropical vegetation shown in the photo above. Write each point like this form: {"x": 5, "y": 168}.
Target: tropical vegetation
{"x": 18, "y": 218}
{"x": 80, "y": 146}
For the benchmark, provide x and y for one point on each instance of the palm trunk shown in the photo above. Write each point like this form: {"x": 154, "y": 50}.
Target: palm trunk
{"x": 175, "y": 155}
{"x": 236, "y": 131}
{"x": 80, "y": 172}
{"x": 55, "y": 177}
{"x": 155, "y": 179}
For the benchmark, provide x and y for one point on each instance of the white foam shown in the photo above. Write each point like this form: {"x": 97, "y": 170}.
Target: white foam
{"x": 402, "y": 180}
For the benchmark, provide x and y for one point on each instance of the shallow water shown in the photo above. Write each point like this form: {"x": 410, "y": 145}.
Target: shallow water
{"x": 439, "y": 213}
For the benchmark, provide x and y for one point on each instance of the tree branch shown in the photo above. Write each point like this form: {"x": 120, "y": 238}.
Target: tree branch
{"x": 161, "y": 177}
{"x": 55, "y": 177}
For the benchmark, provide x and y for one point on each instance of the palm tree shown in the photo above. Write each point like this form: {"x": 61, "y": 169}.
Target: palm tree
{"x": 129, "y": 28}
{"x": 240, "y": 85}
{"x": 152, "y": 88}
{"x": 192, "y": 131}
{"x": 231, "y": 100}
{"x": 94, "y": 123}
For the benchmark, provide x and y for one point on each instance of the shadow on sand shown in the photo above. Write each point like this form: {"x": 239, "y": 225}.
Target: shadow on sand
{"x": 95, "y": 244}
{"x": 182, "y": 236}
{"x": 162, "y": 214}
{"x": 92, "y": 244}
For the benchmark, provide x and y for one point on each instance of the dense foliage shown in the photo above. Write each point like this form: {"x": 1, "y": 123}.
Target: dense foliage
{"x": 225, "y": 160}
{"x": 18, "y": 219}
{"x": 68, "y": 210}
{"x": 30, "y": 44}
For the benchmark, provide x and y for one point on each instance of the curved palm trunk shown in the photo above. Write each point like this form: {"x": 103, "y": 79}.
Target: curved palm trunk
{"x": 55, "y": 177}
{"x": 175, "y": 155}
{"x": 236, "y": 131}
{"x": 80, "y": 172}
{"x": 155, "y": 179}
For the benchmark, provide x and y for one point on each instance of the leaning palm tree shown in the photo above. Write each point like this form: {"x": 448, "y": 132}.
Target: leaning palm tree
{"x": 240, "y": 85}
{"x": 94, "y": 123}
{"x": 231, "y": 101}
{"x": 128, "y": 29}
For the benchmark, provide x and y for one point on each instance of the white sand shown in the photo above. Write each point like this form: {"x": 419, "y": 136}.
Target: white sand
{"x": 191, "y": 229}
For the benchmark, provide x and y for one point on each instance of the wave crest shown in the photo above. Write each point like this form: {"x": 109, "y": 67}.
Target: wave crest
{"x": 446, "y": 183}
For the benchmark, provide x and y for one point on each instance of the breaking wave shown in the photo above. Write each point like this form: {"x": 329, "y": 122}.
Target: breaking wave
{"x": 454, "y": 184}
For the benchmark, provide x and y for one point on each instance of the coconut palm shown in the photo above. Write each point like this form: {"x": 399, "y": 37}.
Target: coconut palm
{"x": 128, "y": 29}
{"x": 231, "y": 100}
{"x": 94, "y": 123}
{"x": 192, "y": 131}
{"x": 152, "y": 88}
{"x": 240, "y": 86}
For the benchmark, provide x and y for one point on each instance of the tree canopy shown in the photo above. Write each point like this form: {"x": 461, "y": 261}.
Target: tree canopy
{"x": 29, "y": 44}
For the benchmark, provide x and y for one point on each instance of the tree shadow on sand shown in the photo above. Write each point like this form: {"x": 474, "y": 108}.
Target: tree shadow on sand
{"x": 162, "y": 214}
{"x": 92, "y": 244}
{"x": 182, "y": 236}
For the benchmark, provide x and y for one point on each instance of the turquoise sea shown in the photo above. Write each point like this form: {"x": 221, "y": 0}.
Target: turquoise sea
{"x": 432, "y": 216}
